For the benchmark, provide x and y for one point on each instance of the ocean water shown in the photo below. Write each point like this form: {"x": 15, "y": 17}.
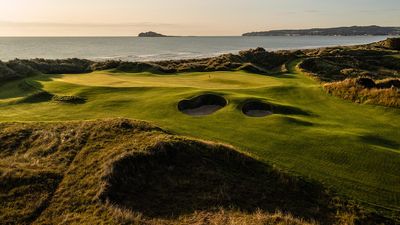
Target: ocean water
{"x": 153, "y": 49}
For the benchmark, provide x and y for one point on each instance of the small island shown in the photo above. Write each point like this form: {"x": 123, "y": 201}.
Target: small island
{"x": 336, "y": 31}
{"x": 151, "y": 34}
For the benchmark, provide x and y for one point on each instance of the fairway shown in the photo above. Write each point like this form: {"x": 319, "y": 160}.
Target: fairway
{"x": 352, "y": 148}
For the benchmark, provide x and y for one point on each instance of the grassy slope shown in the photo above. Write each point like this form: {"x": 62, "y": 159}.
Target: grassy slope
{"x": 352, "y": 148}
{"x": 74, "y": 173}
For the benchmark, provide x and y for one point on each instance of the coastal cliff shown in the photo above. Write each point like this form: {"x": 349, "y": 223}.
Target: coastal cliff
{"x": 336, "y": 31}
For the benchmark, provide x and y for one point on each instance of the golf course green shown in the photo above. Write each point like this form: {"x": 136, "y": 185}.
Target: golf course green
{"x": 354, "y": 149}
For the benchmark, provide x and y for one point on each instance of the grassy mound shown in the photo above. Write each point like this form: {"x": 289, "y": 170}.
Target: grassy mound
{"x": 365, "y": 90}
{"x": 339, "y": 63}
{"x": 344, "y": 71}
{"x": 251, "y": 68}
{"x": 19, "y": 68}
{"x": 202, "y": 105}
{"x": 44, "y": 96}
{"x": 254, "y": 60}
{"x": 181, "y": 177}
{"x": 33, "y": 159}
{"x": 388, "y": 83}
{"x": 68, "y": 99}
{"x": 337, "y": 68}
{"x": 143, "y": 175}
{"x": 36, "y": 97}
{"x": 390, "y": 43}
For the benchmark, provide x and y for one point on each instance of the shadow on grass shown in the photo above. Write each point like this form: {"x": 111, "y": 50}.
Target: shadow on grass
{"x": 290, "y": 110}
{"x": 35, "y": 93}
{"x": 25, "y": 87}
{"x": 380, "y": 141}
{"x": 275, "y": 108}
{"x": 286, "y": 75}
{"x": 298, "y": 122}
{"x": 179, "y": 178}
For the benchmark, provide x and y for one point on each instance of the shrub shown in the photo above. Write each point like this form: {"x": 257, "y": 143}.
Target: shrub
{"x": 138, "y": 67}
{"x": 388, "y": 83}
{"x": 60, "y": 66}
{"x": 360, "y": 90}
{"x": 365, "y": 82}
{"x": 69, "y": 99}
{"x": 40, "y": 96}
{"x": 18, "y": 68}
{"x": 391, "y": 43}
{"x": 6, "y": 73}
{"x": 105, "y": 65}
{"x": 21, "y": 68}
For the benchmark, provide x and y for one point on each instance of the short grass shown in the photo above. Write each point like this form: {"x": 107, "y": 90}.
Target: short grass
{"x": 352, "y": 148}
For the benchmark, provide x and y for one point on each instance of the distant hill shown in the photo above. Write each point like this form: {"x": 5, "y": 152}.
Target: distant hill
{"x": 151, "y": 34}
{"x": 337, "y": 31}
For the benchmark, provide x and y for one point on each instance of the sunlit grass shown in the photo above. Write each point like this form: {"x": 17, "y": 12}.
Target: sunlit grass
{"x": 350, "y": 147}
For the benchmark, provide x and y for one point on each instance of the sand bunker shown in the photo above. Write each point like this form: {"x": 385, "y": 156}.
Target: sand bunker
{"x": 202, "y": 105}
{"x": 257, "y": 109}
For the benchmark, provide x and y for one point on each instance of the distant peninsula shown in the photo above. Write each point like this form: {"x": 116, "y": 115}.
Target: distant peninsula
{"x": 336, "y": 31}
{"x": 151, "y": 34}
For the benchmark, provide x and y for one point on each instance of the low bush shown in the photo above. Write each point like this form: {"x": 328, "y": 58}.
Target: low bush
{"x": 68, "y": 99}
{"x": 18, "y": 68}
{"x": 390, "y": 43}
{"x": 364, "y": 90}
{"x": 6, "y": 73}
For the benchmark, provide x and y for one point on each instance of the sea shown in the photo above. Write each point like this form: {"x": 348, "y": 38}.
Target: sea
{"x": 163, "y": 48}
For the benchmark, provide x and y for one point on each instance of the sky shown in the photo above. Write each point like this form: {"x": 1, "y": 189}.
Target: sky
{"x": 186, "y": 17}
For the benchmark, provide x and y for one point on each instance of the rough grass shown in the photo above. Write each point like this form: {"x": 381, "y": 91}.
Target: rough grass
{"x": 339, "y": 68}
{"x": 69, "y": 99}
{"x": 382, "y": 94}
{"x": 129, "y": 172}
{"x": 377, "y": 60}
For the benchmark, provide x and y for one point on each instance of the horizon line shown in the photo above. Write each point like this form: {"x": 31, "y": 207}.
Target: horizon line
{"x": 176, "y": 36}
{"x": 161, "y": 24}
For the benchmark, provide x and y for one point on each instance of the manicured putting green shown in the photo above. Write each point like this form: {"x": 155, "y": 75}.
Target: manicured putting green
{"x": 351, "y": 148}
{"x": 213, "y": 80}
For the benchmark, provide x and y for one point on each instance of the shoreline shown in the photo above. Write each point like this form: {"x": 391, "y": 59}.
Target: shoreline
{"x": 140, "y": 49}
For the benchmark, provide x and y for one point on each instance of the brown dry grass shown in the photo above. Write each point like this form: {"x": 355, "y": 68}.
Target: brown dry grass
{"x": 350, "y": 90}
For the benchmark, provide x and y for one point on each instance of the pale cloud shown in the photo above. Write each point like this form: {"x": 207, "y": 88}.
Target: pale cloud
{"x": 186, "y": 17}
{"x": 49, "y": 24}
